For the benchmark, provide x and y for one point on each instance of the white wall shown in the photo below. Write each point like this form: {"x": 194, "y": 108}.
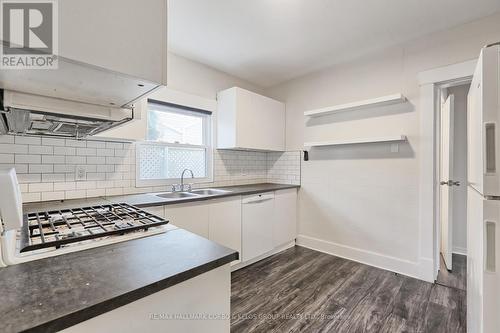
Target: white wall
{"x": 460, "y": 169}
{"x": 362, "y": 201}
{"x": 194, "y": 78}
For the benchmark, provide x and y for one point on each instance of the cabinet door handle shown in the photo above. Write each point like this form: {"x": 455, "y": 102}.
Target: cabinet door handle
{"x": 490, "y": 134}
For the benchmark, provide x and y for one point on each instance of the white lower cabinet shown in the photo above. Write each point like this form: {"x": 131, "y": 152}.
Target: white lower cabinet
{"x": 191, "y": 216}
{"x": 155, "y": 210}
{"x": 224, "y": 217}
{"x": 253, "y": 225}
{"x": 285, "y": 216}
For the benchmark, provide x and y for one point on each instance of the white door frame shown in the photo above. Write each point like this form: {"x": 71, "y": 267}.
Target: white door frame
{"x": 431, "y": 82}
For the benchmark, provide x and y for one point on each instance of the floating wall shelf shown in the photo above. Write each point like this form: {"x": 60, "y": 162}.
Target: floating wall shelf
{"x": 374, "y": 102}
{"x": 393, "y": 138}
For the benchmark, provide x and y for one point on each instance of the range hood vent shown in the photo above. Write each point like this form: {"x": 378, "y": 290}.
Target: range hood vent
{"x": 28, "y": 114}
{"x": 74, "y": 100}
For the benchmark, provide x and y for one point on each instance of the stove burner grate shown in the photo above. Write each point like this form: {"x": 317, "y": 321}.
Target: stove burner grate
{"x": 60, "y": 227}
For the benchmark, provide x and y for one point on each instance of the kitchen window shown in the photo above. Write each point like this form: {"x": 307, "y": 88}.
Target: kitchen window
{"x": 177, "y": 138}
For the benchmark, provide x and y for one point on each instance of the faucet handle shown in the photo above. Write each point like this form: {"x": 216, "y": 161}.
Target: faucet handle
{"x": 175, "y": 187}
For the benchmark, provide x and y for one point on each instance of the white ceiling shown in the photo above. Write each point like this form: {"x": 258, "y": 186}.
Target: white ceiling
{"x": 271, "y": 41}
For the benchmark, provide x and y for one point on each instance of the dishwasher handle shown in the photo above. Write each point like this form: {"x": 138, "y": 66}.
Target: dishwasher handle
{"x": 258, "y": 198}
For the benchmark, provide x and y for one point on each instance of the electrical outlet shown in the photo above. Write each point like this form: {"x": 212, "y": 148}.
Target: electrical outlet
{"x": 394, "y": 148}
{"x": 80, "y": 173}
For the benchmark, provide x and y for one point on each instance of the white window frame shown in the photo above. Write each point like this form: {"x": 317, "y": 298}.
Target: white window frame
{"x": 208, "y": 146}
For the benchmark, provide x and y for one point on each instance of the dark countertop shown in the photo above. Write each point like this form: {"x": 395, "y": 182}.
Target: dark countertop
{"x": 150, "y": 199}
{"x": 54, "y": 293}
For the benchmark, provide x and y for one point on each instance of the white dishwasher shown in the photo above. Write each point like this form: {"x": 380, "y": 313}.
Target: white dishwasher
{"x": 257, "y": 225}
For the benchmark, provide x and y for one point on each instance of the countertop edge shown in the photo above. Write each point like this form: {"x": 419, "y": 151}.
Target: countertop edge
{"x": 206, "y": 197}
{"x": 92, "y": 311}
{"x": 238, "y": 190}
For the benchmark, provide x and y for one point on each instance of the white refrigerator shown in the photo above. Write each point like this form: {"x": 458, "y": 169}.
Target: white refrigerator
{"x": 483, "y": 195}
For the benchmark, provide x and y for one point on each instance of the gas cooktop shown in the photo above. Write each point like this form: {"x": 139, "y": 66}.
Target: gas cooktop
{"x": 58, "y": 228}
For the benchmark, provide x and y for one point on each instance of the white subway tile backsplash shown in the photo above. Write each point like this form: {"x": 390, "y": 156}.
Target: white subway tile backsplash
{"x": 7, "y": 158}
{"x": 96, "y": 160}
{"x": 75, "y": 159}
{"x": 29, "y": 178}
{"x": 9, "y": 148}
{"x": 96, "y": 144}
{"x": 49, "y": 165}
{"x": 6, "y": 139}
{"x": 53, "y": 142}
{"x": 114, "y": 145}
{"x": 121, "y": 152}
{"x": 89, "y": 168}
{"x": 76, "y": 194}
{"x": 53, "y": 177}
{"x": 27, "y": 140}
{"x": 105, "y": 184}
{"x": 31, "y": 197}
{"x": 122, "y": 168}
{"x": 41, "y": 168}
{"x": 21, "y": 158}
{"x": 20, "y": 168}
{"x": 64, "y": 168}
{"x": 114, "y": 176}
{"x": 46, "y": 196}
{"x": 96, "y": 176}
{"x": 85, "y": 185}
{"x": 64, "y": 151}
{"x": 105, "y": 152}
{"x": 122, "y": 183}
{"x": 115, "y": 160}
{"x": 53, "y": 159}
{"x": 67, "y": 186}
{"x": 76, "y": 143}
{"x": 114, "y": 191}
{"x": 105, "y": 167}
{"x": 45, "y": 150}
{"x": 95, "y": 193}
{"x": 23, "y": 187}
{"x": 86, "y": 151}
{"x": 41, "y": 187}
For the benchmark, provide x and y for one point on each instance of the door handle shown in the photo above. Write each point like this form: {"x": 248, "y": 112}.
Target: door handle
{"x": 450, "y": 183}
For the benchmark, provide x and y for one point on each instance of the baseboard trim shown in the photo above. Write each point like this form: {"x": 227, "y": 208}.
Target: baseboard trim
{"x": 263, "y": 256}
{"x": 459, "y": 250}
{"x": 423, "y": 269}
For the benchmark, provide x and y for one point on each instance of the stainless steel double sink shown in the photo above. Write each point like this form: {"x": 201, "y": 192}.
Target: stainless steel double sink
{"x": 192, "y": 194}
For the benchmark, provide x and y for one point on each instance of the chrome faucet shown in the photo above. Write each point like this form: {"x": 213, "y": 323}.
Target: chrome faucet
{"x": 182, "y": 179}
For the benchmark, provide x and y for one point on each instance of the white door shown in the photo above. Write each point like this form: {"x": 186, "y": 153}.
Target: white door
{"x": 446, "y": 177}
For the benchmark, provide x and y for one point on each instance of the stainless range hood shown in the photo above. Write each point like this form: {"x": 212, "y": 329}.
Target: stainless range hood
{"x": 75, "y": 100}
{"x": 29, "y": 114}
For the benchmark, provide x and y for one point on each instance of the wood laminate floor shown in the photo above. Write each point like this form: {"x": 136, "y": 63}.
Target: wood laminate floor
{"x": 301, "y": 290}
{"x": 457, "y": 278}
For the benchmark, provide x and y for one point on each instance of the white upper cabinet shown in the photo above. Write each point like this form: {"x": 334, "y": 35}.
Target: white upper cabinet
{"x": 126, "y": 36}
{"x": 246, "y": 120}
